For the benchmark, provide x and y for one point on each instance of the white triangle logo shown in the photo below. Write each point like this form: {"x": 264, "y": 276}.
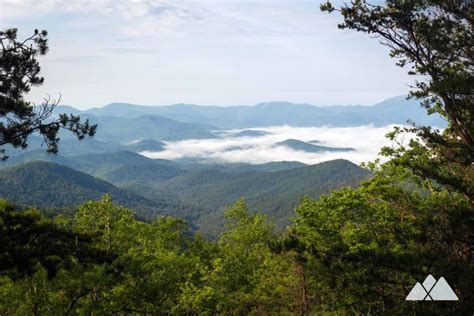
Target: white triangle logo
{"x": 443, "y": 292}
{"x": 417, "y": 293}
{"x": 432, "y": 290}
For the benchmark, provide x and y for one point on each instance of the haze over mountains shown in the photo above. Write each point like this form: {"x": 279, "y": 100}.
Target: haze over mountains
{"x": 396, "y": 110}
{"x": 206, "y": 157}
{"x": 249, "y": 134}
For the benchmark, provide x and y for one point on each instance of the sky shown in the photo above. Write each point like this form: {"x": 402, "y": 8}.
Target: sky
{"x": 226, "y": 52}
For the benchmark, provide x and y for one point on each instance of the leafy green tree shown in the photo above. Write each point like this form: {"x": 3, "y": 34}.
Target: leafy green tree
{"x": 28, "y": 296}
{"x": 246, "y": 277}
{"x": 367, "y": 247}
{"x": 19, "y": 71}
{"x": 153, "y": 261}
{"x": 28, "y": 239}
{"x": 44, "y": 265}
{"x": 435, "y": 39}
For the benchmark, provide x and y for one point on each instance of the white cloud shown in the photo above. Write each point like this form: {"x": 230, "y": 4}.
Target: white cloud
{"x": 126, "y": 8}
{"x": 246, "y": 20}
{"x": 223, "y": 52}
{"x": 366, "y": 140}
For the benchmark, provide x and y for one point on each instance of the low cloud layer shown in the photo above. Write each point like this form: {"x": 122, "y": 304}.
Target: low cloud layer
{"x": 366, "y": 140}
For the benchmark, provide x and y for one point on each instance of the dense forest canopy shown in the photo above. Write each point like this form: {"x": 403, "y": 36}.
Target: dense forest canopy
{"x": 354, "y": 251}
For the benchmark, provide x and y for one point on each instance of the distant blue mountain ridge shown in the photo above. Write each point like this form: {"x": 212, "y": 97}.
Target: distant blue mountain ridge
{"x": 200, "y": 119}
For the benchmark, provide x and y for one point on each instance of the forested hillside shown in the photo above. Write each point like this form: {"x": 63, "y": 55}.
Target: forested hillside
{"x": 219, "y": 227}
{"x": 198, "y": 193}
{"x": 50, "y": 185}
{"x": 277, "y": 193}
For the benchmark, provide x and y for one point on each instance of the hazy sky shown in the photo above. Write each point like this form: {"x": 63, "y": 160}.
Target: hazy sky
{"x": 204, "y": 52}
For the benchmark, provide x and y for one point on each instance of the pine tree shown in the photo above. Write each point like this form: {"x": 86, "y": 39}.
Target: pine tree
{"x": 19, "y": 71}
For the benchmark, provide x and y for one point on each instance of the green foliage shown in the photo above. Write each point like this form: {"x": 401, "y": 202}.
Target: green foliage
{"x": 159, "y": 268}
{"x": 195, "y": 192}
{"x": 246, "y": 277}
{"x": 436, "y": 39}
{"x": 367, "y": 247}
{"x": 29, "y": 240}
{"x": 354, "y": 251}
{"x": 45, "y": 184}
{"x": 275, "y": 193}
{"x": 19, "y": 71}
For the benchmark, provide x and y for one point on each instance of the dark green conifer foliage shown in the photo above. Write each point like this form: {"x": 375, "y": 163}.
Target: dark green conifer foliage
{"x": 29, "y": 240}
{"x": 19, "y": 71}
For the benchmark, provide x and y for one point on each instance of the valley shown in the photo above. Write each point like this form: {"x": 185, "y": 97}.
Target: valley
{"x": 123, "y": 160}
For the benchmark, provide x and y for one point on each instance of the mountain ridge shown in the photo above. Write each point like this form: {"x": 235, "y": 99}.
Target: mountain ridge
{"x": 51, "y": 185}
{"x": 153, "y": 188}
{"x": 296, "y": 144}
{"x": 395, "y": 110}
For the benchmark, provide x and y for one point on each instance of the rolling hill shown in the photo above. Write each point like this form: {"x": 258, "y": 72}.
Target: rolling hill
{"x": 276, "y": 193}
{"x": 197, "y": 192}
{"x": 245, "y": 167}
{"x": 123, "y": 129}
{"x": 251, "y": 133}
{"x": 310, "y": 148}
{"x": 146, "y": 145}
{"x": 49, "y": 185}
